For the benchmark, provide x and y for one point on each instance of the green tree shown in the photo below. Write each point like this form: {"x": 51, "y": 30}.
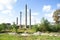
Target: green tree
{"x": 14, "y": 27}
{"x": 55, "y": 15}
{"x": 1, "y": 28}
{"x": 58, "y": 27}
{"x": 45, "y": 24}
{"x": 4, "y": 26}
{"x": 35, "y": 27}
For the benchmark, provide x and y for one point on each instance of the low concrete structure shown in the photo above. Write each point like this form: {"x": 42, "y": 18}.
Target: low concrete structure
{"x": 37, "y": 33}
{"x": 12, "y": 33}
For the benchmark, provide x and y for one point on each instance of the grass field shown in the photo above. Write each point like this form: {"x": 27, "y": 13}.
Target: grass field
{"x": 18, "y": 37}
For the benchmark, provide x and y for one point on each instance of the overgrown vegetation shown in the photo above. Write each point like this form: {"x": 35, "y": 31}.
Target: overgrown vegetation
{"x": 17, "y": 37}
{"x": 44, "y": 26}
{"x": 47, "y": 26}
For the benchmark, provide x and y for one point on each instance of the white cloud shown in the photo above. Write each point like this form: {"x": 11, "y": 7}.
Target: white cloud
{"x": 24, "y": 10}
{"x": 58, "y": 5}
{"x": 4, "y": 19}
{"x": 34, "y": 18}
{"x": 49, "y": 12}
{"x": 6, "y": 11}
{"x": 49, "y": 16}
{"x": 6, "y": 7}
{"x": 7, "y": 4}
{"x": 46, "y": 8}
{"x": 9, "y": 7}
{"x": 35, "y": 14}
{"x": 4, "y": 1}
{"x": 1, "y": 7}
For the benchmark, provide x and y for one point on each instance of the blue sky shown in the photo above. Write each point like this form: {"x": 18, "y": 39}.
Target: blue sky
{"x": 10, "y": 9}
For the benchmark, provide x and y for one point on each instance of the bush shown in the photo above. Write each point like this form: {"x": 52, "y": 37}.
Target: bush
{"x": 44, "y": 26}
{"x": 54, "y": 28}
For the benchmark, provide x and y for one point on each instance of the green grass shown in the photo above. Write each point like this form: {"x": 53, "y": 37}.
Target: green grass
{"x": 27, "y": 30}
{"x": 18, "y": 37}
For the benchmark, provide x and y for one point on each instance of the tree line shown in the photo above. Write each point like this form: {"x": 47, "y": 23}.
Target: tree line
{"x": 44, "y": 26}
